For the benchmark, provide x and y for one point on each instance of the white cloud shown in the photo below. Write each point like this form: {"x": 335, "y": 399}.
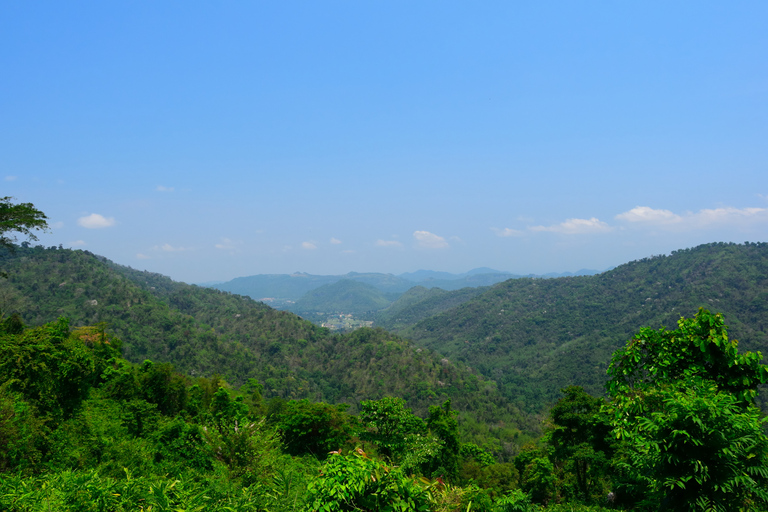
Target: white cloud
{"x": 169, "y": 248}
{"x": 142, "y": 256}
{"x": 429, "y": 240}
{"x": 11, "y": 178}
{"x": 388, "y": 243}
{"x": 96, "y": 221}
{"x": 227, "y": 244}
{"x": 507, "y": 232}
{"x": 161, "y": 188}
{"x": 729, "y": 215}
{"x": 576, "y": 227}
{"x": 57, "y": 225}
{"x": 694, "y": 220}
{"x": 647, "y": 214}
{"x": 308, "y": 246}
{"x": 335, "y": 241}
{"x": 77, "y": 243}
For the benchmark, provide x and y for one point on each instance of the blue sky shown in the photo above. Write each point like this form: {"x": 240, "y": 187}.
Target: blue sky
{"x": 210, "y": 140}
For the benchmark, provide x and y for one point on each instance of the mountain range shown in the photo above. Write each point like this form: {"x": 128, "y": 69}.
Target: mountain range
{"x": 291, "y": 287}
{"x": 494, "y": 350}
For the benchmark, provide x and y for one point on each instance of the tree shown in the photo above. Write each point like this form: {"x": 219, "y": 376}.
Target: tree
{"x": 683, "y": 407}
{"x": 314, "y": 428}
{"x": 357, "y": 482}
{"x": 697, "y": 449}
{"x": 443, "y": 424}
{"x": 698, "y": 347}
{"x": 390, "y": 426}
{"x": 579, "y": 438}
{"x": 19, "y": 218}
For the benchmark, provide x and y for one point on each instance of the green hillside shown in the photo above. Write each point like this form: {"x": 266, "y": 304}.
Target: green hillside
{"x": 345, "y": 296}
{"x": 419, "y": 303}
{"x": 535, "y": 336}
{"x": 204, "y": 332}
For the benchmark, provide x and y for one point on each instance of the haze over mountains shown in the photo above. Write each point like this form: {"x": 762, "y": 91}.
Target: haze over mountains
{"x": 280, "y": 290}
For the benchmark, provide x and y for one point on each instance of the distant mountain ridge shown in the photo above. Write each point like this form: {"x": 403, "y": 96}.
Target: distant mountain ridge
{"x": 293, "y": 287}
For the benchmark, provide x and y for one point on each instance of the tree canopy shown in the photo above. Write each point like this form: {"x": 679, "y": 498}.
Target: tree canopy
{"x": 19, "y": 218}
{"x": 683, "y": 408}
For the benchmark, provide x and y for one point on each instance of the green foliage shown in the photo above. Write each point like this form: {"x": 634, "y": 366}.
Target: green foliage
{"x": 515, "y": 501}
{"x": 23, "y": 436}
{"x": 250, "y": 450}
{"x": 580, "y": 439}
{"x": 181, "y": 445}
{"x": 696, "y": 449}
{"x": 699, "y": 347}
{"x": 390, "y": 426}
{"x": 98, "y": 437}
{"x": 314, "y": 428}
{"x": 88, "y": 491}
{"x": 19, "y": 218}
{"x": 537, "y": 475}
{"x": 472, "y": 451}
{"x": 357, "y": 482}
{"x": 693, "y": 440}
{"x": 442, "y": 423}
{"x": 51, "y": 368}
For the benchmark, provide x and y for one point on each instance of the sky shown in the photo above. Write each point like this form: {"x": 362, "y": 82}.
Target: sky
{"x": 212, "y": 140}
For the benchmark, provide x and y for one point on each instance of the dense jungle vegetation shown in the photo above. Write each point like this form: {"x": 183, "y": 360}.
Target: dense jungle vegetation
{"x": 270, "y": 413}
{"x": 83, "y": 429}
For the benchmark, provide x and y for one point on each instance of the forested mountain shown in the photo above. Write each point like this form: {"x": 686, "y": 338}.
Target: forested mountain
{"x": 345, "y": 296}
{"x": 204, "y": 332}
{"x": 419, "y": 303}
{"x": 535, "y": 336}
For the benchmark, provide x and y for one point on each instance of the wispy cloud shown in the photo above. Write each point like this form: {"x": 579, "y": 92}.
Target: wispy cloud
{"x": 227, "y": 244}
{"x": 388, "y": 243}
{"x": 161, "y": 188}
{"x": 96, "y": 221}
{"x": 309, "y": 246}
{"x": 11, "y": 178}
{"x": 648, "y": 215}
{"x": 141, "y": 256}
{"x": 170, "y": 248}
{"x": 576, "y": 227}
{"x": 335, "y": 241}
{"x": 57, "y": 225}
{"x": 428, "y": 240}
{"x": 644, "y": 215}
{"x": 507, "y": 232}
{"x": 77, "y": 243}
